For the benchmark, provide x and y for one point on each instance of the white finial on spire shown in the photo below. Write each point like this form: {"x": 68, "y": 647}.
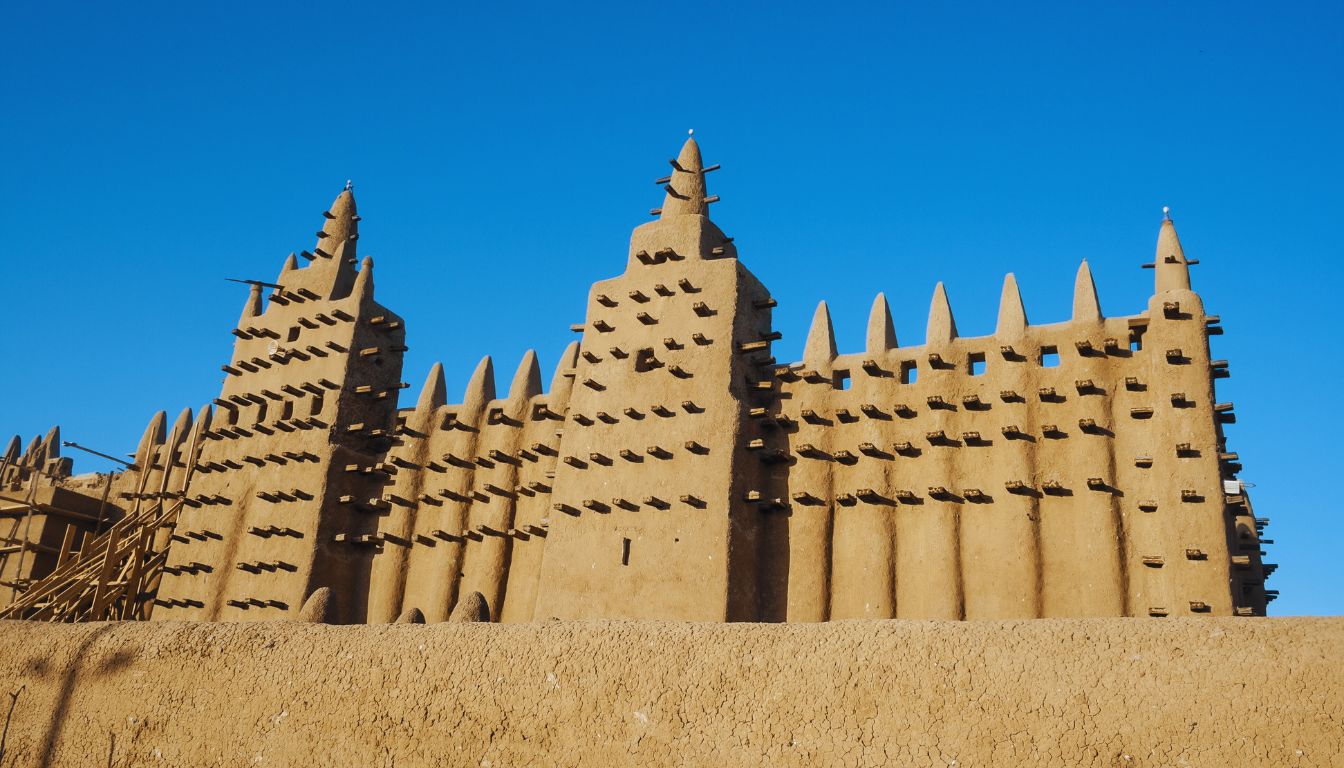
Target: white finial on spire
{"x": 1166, "y": 213}
{"x": 691, "y": 132}
{"x": 349, "y": 185}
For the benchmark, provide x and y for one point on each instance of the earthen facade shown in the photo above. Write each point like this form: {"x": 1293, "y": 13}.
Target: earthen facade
{"x": 673, "y": 469}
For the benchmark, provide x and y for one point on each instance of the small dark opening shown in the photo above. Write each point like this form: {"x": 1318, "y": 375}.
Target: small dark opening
{"x": 1049, "y": 357}
{"x": 976, "y": 363}
{"x": 625, "y": 551}
{"x": 293, "y": 334}
{"x": 287, "y": 411}
{"x": 909, "y": 372}
{"x": 315, "y": 406}
{"x": 840, "y": 379}
{"x": 1136, "y": 338}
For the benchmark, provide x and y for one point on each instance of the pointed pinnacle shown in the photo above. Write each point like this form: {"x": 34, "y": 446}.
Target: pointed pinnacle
{"x": 527, "y": 379}
{"x": 1170, "y": 265}
{"x": 942, "y": 327}
{"x": 253, "y": 306}
{"x": 1012, "y": 314}
{"x": 820, "y": 350}
{"x": 481, "y": 386}
{"x": 1086, "y": 306}
{"x": 434, "y": 393}
{"x": 560, "y": 383}
{"x": 881, "y": 331}
{"x": 686, "y": 188}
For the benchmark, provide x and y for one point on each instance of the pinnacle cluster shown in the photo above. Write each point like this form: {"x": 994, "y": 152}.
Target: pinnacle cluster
{"x": 673, "y": 468}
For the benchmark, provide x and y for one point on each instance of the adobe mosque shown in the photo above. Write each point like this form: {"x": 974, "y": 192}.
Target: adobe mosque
{"x": 673, "y": 469}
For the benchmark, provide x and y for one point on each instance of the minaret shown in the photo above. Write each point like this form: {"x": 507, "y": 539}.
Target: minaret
{"x": 1192, "y": 509}
{"x": 678, "y": 347}
{"x": 286, "y": 489}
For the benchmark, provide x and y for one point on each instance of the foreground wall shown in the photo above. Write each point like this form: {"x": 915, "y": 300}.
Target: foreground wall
{"x": 1089, "y": 692}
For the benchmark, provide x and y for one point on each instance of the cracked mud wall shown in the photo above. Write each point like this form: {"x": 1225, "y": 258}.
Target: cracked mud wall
{"x": 1085, "y": 692}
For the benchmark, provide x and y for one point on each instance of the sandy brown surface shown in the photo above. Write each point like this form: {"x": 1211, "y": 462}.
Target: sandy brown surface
{"x": 1089, "y": 692}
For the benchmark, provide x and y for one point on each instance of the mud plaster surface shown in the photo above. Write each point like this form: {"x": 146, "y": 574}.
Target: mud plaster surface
{"x": 1088, "y": 692}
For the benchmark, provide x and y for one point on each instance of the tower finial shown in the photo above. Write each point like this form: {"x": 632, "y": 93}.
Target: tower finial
{"x": 253, "y": 306}
{"x": 1171, "y": 268}
{"x": 349, "y": 185}
{"x": 1166, "y": 213}
{"x": 686, "y": 186}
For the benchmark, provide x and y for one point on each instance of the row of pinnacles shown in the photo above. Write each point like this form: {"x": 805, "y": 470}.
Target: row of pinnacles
{"x": 675, "y": 470}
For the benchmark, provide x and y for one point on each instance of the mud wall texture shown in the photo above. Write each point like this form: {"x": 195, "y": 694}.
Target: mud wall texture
{"x": 1075, "y": 692}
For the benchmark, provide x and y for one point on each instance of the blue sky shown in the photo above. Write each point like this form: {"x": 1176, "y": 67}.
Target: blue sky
{"x": 501, "y": 154}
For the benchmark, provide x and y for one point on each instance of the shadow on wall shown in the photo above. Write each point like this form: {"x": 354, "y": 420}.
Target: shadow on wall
{"x": 39, "y": 667}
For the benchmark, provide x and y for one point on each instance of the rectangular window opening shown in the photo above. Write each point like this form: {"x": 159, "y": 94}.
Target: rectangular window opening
{"x": 1136, "y": 338}
{"x": 315, "y": 406}
{"x": 909, "y": 372}
{"x": 293, "y": 334}
{"x": 625, "y": 551}
{"x": 1049, "y": 357}
{"x": 840, "y": 379}
{"x": 976, "y": 363}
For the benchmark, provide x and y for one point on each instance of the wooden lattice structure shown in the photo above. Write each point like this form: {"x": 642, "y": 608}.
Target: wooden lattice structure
{"x": 114, "y": 573}
{"x": 113, "y": 576}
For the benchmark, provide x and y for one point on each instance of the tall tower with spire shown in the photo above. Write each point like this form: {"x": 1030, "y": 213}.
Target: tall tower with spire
{"x": 674, "y": 470}
{"x": 650, "y": 517}
{"x": 283, "y": 485}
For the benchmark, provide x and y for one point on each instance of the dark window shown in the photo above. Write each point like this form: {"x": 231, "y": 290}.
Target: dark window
{"x": 909, "y": 372}
{"x": 976, "y": 363}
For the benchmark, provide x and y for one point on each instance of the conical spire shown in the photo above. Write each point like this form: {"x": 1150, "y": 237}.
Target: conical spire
{"x": 527, "y": 380}
{"x": 568, "y": 359}
{"x": 686, "y": 186}
{"x": 51, "y": 445}
{"x": 181, "y": 427}
{"x": 253, "y": 306}
{"x": 291, "y": 264}
{"x": 881, "y": 331}
{"x": 176, "y": 436}
{"x": 333, "y": 271}
{"x": 434, "y": 393}
{"x": 1012, "y": 314}
{"x": 341, "y": 227}
{"x": 154, "y": 435}
{"x": 32, "y": 452}
{"x": 204, "y": 416}
{"x": 363, "y": 289}
{"x": 1170, "y": 265}
{"x": 1086, "y": 306}
{"x": 481, "y": 386}
{"x": 942, "y": 328}
{"x": 192, "y": 451}
{"x": 12, "y": 452}
{"x": 820, "y": 350}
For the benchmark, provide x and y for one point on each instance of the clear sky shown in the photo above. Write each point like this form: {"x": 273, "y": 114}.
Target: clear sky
{"x": 501, "y": 153}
